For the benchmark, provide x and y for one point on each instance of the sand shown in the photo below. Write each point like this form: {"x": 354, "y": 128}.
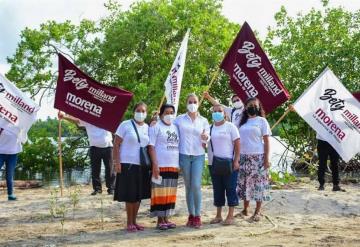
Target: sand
{"x": 297, "y": 216}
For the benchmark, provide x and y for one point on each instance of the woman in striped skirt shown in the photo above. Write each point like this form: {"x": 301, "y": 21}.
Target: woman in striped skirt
{"x": 164, "y": 153}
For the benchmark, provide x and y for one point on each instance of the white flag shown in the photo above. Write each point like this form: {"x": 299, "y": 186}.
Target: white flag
{"x": 333, "y": 112}
{"x": 17, "y": 111}
{"x": 174, "y": 79}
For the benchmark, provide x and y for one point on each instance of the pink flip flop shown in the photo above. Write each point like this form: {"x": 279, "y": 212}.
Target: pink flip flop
{"x": 171, "y": 225}
{"x": 131, "y": 228}
{"x": 162, "y": 226}
{"x": 139, "y": 227}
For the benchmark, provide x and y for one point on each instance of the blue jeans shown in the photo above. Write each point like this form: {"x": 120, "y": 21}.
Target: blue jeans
{"x": 192, "y": 168}
{"x": 224, "y": 185}
{"x": 10, "y": 161}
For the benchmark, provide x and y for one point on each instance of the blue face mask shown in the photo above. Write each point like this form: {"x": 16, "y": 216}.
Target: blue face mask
{"x": 218, "y": 116}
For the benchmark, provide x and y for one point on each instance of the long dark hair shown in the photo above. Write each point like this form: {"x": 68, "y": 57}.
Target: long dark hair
{"x": 245, "y": 115}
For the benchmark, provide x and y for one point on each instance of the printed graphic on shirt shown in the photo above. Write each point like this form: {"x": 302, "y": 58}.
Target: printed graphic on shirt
{"x": 172, "y": 140}
{"x": 237, "y": 116}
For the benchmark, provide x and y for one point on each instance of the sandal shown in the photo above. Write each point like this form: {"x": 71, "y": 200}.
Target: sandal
{"x": 242, "y": 214}
{"x": 256, "y": 217}
{"x": 162, "y": 226}
{"x": 228, "y": 222}
{"x": 216, "y": 220}
{"x": 170, "y": 225}
{"x": 139, "y": 227}
{"x": 131, "y": 228}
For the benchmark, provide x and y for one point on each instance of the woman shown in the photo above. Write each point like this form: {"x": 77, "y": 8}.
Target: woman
{"x": 164, "y": 153}
{"x": 10, "y": 146}
{"x": 253, "y": 183}
{"x": 194, "y": 134}
{"x": 225, "y": 144}
{"x": 234, "y": 113}
{"x": 132, "y": 180}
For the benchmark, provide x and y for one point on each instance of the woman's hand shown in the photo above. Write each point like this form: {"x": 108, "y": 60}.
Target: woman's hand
{"x": 204, "y": 136}
{"x": 266, "y": 164}
{"x": 117, "y": 167}
{"x": 236, "y": 165}
{"x": 292, "y": 108}
{"x": 206, "y": 95}
{"x": 61, "y": 115}
{"x": 155, "y": 171}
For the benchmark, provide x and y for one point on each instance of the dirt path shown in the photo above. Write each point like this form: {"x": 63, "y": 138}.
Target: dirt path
{"x": 300, "y": 216}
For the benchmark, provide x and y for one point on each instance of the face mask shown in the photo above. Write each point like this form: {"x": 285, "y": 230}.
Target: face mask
{"x": 169, "y": 118}
{"x": 238, "y": 104}
{"x": 192, "y": 107}
{"x": 252, "y": 110}
{"x": 218, "y": 116}
{"x": 139, "y": 116}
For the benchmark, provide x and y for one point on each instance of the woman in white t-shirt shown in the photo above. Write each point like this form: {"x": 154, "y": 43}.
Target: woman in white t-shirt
{"x": 225, "y": 144}
{"x": 10, "y": 146}
{"x": 132, "y": 180}
{"x": 164, "y": 153}
{"x": 234, "y": 113}
{"x": 253, "y": 181}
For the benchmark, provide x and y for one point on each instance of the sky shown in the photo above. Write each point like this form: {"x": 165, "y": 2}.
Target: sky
{"x": 15, "y": 15}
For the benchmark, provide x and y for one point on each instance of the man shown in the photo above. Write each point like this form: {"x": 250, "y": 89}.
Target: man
{"x": 234, "y": 114}
{"x": 10, "y": 146}
{"x": 325, "y": 150}
{"x": 100, "y": 150}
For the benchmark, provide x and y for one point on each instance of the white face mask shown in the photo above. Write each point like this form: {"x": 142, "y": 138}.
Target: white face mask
{"x": 192, "y": 107}
{"x": 169, "y": 118}
{"x": 238, "y": 104}
{"x": 140, "y": 116}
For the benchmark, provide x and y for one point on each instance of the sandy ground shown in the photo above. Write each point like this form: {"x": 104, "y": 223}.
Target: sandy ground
{"x": 298, "y": 216}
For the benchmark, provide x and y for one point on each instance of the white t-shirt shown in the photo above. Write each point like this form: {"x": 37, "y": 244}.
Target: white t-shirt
{"x": 9, "y": 143}
{"x": 97, "y": 137}
{"x": 130, "y": 147}
{"x": 190, "y": 134}
{"x": 251, "y": 135}
{"x": 222, "y": 138}
{"x": 236, "y": 115}
{"x": 165, "y": 139}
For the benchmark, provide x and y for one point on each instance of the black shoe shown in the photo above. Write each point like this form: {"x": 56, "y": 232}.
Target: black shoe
{"x": 96, "y": 192}
{"x": 110, "y": 192}
{"x": 338, "y": 188}
{"x": 321, "y": 187}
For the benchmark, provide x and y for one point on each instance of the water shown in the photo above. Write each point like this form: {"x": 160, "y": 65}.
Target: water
{"x": 52, "y": 178}
{"x": 83, "y": 176}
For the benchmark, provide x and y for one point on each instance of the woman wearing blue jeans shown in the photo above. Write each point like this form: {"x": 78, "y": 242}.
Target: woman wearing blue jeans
{"x": 10, "y": 146}
{"x": 194, "y": 134}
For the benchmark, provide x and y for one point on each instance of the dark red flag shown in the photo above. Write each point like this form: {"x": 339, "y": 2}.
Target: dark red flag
{"x": 251, "y": 73}
{"x": 81, "y": 96}
{"x": 357, "y": 95}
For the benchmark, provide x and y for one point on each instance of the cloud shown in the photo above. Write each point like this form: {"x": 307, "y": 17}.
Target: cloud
{"x": 15, "y": 15}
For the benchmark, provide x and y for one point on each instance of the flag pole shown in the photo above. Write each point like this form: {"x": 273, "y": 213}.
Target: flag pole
{"x": 161, "y": 103}
{"x": 60, "y": 160}
{"x": 281, "y": 118}
{"x": 210, "y": 84}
